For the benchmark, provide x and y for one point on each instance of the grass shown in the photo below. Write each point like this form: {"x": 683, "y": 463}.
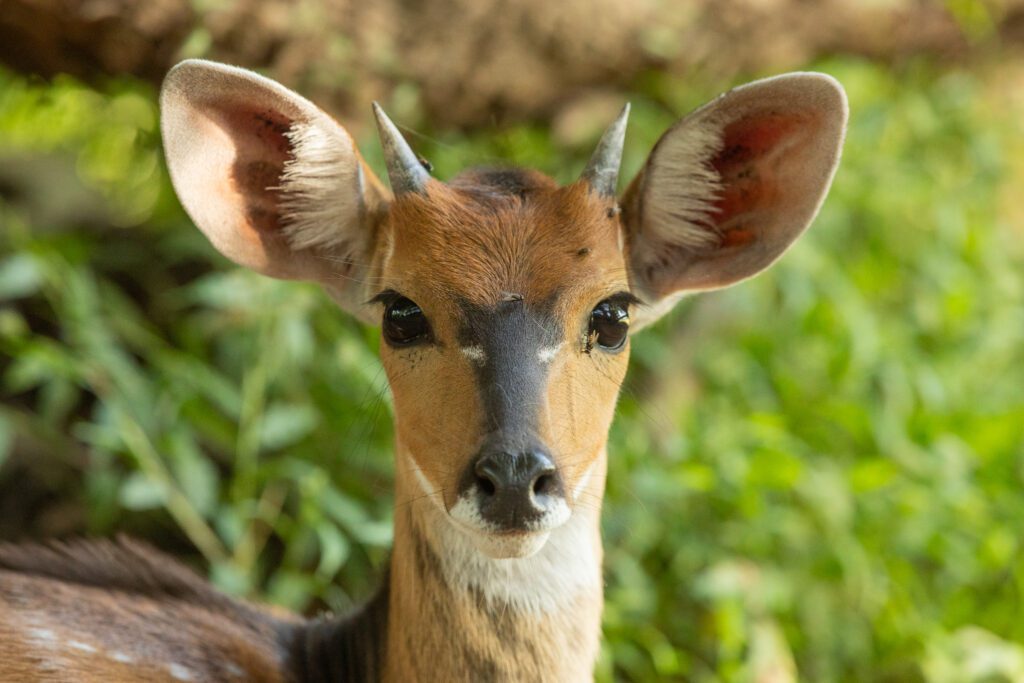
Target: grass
{"x": 814, "y": 474}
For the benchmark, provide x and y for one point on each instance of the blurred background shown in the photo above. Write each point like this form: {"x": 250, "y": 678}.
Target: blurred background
{"x": 817, "y": 475}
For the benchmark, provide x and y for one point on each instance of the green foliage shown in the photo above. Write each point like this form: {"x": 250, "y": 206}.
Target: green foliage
{"x": 814, "y": 474}
{"x": 843, "y": 460}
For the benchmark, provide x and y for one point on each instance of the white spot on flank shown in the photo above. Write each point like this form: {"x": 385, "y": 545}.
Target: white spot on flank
{"x": 179, "y": 673}
{"x": 42, "y": 635}
{"x": 234, "y": 669}
{"x": 546, "y": 354}
{"x": 121, "y": 657}
{"x": 474, "y": 353}
{"x": 79, "y": 645}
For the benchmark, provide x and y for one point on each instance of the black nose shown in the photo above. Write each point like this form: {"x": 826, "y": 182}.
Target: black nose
{"x": 517, "y": 473}
{"x": 515, "y": 488}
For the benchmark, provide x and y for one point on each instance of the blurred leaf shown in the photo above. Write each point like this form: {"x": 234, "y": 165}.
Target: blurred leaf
{"x": 195, "y": 473}
{"x": 334, "y": 550}
{"x": 141, "y": 493}
{"x": 973, "y": 655}
{"x": 19, "y": 276}
{"x": 283, "y": 425}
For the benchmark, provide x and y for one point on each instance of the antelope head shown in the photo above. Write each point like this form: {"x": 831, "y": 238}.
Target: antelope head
{"x": 506, "y": 302}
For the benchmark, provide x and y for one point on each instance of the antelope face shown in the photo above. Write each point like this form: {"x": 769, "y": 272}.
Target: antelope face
{"x": 505, "y": 312}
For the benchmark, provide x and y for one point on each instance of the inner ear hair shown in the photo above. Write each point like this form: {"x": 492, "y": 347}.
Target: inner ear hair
{"x": 678, "y": 213}
{"x": 274, "y": 183}
{"x": 313, "y": 203}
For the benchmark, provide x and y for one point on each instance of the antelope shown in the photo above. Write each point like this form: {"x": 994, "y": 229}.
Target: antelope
{"x": 506, "y": 304}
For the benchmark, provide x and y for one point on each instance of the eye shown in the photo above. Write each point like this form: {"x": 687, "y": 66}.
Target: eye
{"x": 609, "y": 325}
{"x": 404, "y": 322}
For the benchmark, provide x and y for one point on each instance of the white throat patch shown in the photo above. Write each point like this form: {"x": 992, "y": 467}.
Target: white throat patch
{"x": 567, "y": 565}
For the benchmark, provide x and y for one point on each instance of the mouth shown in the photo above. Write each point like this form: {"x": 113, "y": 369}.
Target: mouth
{"x": 499, "y": 543}
{"x": 506, "y": 545}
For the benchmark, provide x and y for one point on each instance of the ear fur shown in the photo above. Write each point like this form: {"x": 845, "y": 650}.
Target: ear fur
{"x": 729, "y": 188}
{"x": 274, "y": 183}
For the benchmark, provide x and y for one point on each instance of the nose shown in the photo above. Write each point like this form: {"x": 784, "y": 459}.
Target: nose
{"x": 521, "y": 474}
{"x": 515, "y": 487}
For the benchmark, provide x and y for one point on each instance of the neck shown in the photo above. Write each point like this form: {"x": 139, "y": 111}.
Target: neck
{"x": 456, "y": 614}
{"x": 446, "y": 612}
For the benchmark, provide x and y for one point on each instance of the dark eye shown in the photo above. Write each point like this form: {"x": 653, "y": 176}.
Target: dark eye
{"x": 404, "y": 322}
{"x": 609, "y": 325}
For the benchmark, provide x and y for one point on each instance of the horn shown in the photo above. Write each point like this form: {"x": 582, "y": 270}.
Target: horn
{"x": 405, "y": 171}
{"x": 602, "y": 171}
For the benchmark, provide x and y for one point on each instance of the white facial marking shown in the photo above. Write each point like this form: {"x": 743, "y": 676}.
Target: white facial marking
{"x": 475, "y": 354}
{"x": 546, "y": 354}
{"x": 432, "y": 492}
{"x": 179, "y": 673}
{"x": 79, "y": 645}
{"x": 582, "y": 483}
{"x": 389, "y": 251}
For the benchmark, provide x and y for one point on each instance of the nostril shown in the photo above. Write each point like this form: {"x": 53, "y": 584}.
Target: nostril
{"x": 486, "y": 485}
{"x": 545, "y": 485}
{"x": 487, "y": 479}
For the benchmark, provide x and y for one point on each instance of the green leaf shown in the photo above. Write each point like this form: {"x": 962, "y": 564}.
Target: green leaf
{"x": 139, "y": 493}
{"x": 285, "y": 424}
{"x": 20, "y": 276}
{"x": 196, "y": 475}
{"x": 334, "y": 550}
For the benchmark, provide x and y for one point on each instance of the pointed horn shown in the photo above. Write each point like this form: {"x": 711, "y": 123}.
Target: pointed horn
{"x": 405, "y": 171}
{"x": 602, "y": 171}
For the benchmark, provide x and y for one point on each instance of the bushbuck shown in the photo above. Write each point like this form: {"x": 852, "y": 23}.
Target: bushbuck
{"x": 506, "y": 304}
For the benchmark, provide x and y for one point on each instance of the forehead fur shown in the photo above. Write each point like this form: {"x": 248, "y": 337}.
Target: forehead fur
{"x": 495, "y": 232}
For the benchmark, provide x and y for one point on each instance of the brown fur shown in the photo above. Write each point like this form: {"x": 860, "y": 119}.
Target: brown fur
{"x": 119, "y": 611}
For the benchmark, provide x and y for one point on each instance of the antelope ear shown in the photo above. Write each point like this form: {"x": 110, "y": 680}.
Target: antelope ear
{"x": 728, "y": 188}
{"x": 272, "y": 181}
